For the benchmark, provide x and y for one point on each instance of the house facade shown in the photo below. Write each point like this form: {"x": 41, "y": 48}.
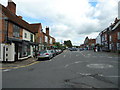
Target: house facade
{"x": 89, "y": 43}
{"x": 110, "y": 37}
{"x": 14, "y": 43}
{"x": 114, "y": 36}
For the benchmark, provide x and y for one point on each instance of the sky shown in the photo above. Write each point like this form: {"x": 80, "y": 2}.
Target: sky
{"x": 69, "y": 19}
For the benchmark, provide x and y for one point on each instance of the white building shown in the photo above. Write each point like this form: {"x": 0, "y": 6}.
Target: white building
{"x": 98, "y": 40}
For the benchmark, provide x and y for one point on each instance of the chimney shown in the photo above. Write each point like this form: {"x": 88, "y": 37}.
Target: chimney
{"x": 11, "y": 6}
{"x": 47, "y": 31}
{"x": 20, "y": 17}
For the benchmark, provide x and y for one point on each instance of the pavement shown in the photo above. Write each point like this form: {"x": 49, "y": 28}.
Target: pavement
{"x": 76, "y": 69}
{"x": 19, "y": 64}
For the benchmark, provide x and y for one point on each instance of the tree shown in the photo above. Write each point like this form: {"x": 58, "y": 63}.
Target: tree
{"x": 68, "y": 43}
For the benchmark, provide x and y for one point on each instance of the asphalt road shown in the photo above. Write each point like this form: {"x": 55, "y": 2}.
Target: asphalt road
{"x": 76, "y": 69}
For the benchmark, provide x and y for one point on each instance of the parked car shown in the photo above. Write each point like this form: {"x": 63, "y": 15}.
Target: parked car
{"x": 73, "y": 49}
{"x": 45, "y": 54}
{"x": 54, "y": 52}
{"x": 58, "y": 51}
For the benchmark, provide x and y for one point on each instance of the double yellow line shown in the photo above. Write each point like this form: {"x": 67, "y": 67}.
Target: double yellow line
{"x": 21, "y": 66}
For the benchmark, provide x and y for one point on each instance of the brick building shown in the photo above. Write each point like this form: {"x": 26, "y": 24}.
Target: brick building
{"x": 114, "y": 35}
{"x": 19, "y": 39}
{"x": 110, "y": 37}
{"x": 89, "y": 43}
{"x": 13, "y": 32}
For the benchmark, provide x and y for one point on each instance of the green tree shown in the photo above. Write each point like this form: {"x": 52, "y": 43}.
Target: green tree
{"x": 68, "y": 43}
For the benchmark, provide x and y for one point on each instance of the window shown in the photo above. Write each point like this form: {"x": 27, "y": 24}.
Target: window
{"x": 105, "y": 37}
{"x": 118, "y": 46}
{"x": 16, "y": 31}
{"x": 118, "y": 35}
{"x": 46, "y": 39}
{"x": 25, "y": 35}
{"x": 31, "y": 38}
{"x": 110, "y": 46}
{"x": 50, "y": 40}
{"x": 40, "y": 39}
{"x": 110, "y": 38}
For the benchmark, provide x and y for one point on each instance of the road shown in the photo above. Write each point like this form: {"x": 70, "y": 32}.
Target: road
{"x": 76, "y": 69}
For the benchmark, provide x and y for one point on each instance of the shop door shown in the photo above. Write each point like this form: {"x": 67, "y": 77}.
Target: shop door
{"x": 16, "y": 52}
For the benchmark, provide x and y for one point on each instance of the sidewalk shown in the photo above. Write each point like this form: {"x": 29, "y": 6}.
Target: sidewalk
{"x": 18, "y": 63}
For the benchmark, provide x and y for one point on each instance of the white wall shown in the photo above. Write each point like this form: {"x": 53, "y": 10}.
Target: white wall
{"x": 8, "y": 52}
{"x": 1, "y": 52}
{"x": 28, "y": 35}
{"x": 11, "y": 52}
{"x": 98, "y": 40}
{"x": 46, "y": 39}
{"x": 50, "y": 40}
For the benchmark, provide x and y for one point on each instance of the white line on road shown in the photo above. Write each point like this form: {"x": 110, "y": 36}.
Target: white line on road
{"x": 6, "y": 70}
{"x": 64, "y": 56}
{"x": 77, "y": 55}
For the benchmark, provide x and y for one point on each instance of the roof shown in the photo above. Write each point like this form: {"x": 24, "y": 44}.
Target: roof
{"x": 35, "y": 27}
{"x": 118, "y": 24}
{"x": 15, "y": 19}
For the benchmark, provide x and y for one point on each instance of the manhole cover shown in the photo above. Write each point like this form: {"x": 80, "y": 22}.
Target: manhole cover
{"x": 101, "y": 66}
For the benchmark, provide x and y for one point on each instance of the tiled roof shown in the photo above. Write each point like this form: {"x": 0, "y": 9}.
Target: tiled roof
{"x": 15, "y": 19}
{"x": 35, "y": 27}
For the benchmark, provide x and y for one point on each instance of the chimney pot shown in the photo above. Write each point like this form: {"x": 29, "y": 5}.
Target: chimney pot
{"x": 11, "y": 6}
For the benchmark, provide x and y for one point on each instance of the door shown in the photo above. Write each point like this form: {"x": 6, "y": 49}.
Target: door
{"x": 16, "y": 52}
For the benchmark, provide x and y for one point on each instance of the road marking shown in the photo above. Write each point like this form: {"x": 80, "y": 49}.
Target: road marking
{"x": 21, "y": 66}
{"x": 100, "y": 66}
{"x": 112, "y": 76}
{"x": 66, "y": 66}
{"x": 77, "y": 55}
{"x": 73, "y": 63}
{"x": 110, "y": 57}
{"x": 78, "y": 62}
{"x": 64, "y": 56}
{"x": 6, "y": 70}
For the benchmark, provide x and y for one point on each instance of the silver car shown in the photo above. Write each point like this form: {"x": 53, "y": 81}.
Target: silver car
{"x": 45, "y": 54}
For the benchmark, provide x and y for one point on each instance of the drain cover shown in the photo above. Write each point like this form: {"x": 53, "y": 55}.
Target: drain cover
{"x": 101, "y": 66}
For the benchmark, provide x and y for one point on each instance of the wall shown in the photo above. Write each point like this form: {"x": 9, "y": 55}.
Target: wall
{"x": 28, "y": 35}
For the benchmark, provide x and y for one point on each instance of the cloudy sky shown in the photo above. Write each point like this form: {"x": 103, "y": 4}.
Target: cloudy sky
{"x": 69, "y": 19}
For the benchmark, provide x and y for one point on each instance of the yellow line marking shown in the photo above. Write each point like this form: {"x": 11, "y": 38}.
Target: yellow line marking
{"x": 21, "y": 66}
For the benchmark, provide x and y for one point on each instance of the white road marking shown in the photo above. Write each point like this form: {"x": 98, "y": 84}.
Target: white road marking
{"x": 112, "y": 76}
{"x": 110, "y": 57}
{"x": 100, "y": 66}
{"x": 78, "y": 62}
{"x": 73, "y": 63}
{"x": 64, "y": 56}
{"x": 77, "y": 55}
{"x": 6, "y": 70}
{"x": 66, "y": 66}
